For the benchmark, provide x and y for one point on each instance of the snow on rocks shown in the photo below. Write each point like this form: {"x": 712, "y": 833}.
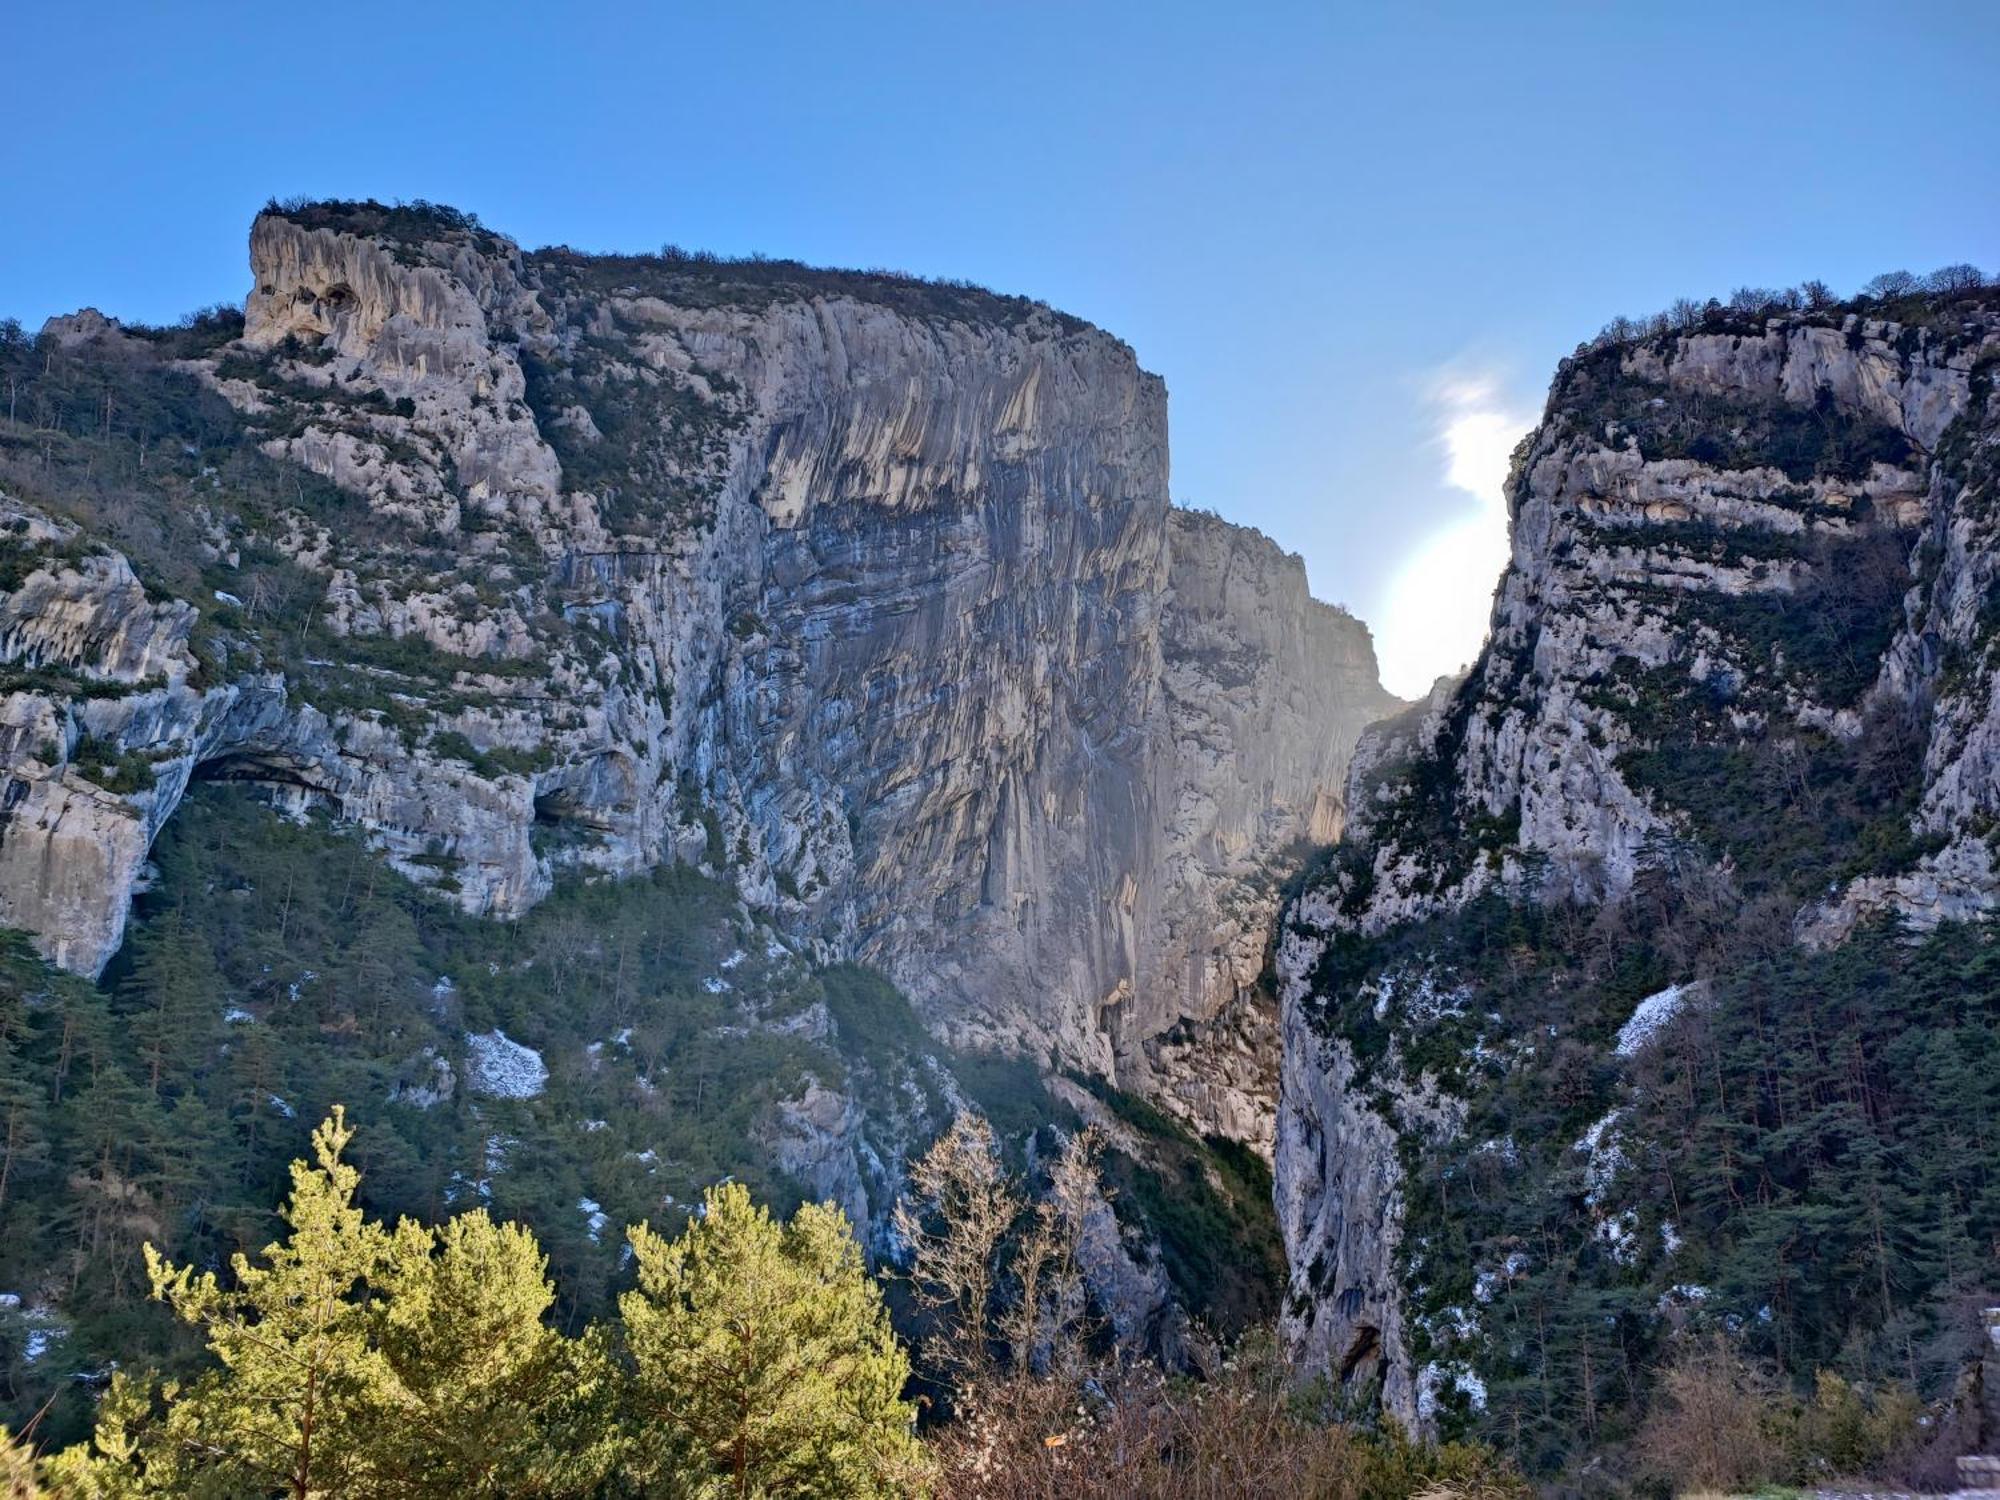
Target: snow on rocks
{"x": 1435, "y": 1379}
{"x": 503, "y": 1067}
{"x": 594, "y": 1217}
{"x": 1420, "y": 993}
{"x": 1680, "y": 1296}
{"x": 1489, "y": 1283}
{"x": 1653, "y": 1013}
{"x": 41, "y": 1332}
{"x": 1607, "y": 1158}
{"x": 1619, "y": 1234}
{"x": 429, "y": 1082}
{"x": 622, "y": 1040}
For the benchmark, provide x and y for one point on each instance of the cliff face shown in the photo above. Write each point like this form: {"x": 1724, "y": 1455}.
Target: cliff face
{"x": 1265, "y": 690}
{"x": 863, "y": 593}
{"x": 1741, "y": 671}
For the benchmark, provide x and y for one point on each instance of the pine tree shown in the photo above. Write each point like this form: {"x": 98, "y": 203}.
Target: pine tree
{"x": 107, "y": 1124}
{"x": 299, "y": 1379}
{"x": 172, "y": 1001}
{"x": 763, "y": 1360}
{"x": 483, "y": 1397}
{"x": 24, "y": 1141}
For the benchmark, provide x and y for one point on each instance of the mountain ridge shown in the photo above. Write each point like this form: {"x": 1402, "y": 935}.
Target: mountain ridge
{"x": 614, "y": 553}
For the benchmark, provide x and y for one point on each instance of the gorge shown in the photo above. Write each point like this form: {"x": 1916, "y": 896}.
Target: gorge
{"x": 619, "y": 723}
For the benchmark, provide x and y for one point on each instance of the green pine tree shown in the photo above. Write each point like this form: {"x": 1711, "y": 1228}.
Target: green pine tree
{"x": 172, "y": 1001}
{"x": 300, "y": 1377}
{"x": 763, "y": 1360}
{"x": 483, "y": 1397}
{"x": 24, "y": 1140}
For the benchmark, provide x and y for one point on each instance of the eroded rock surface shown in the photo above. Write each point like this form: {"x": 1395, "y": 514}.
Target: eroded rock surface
{"x": 864, "y": 593}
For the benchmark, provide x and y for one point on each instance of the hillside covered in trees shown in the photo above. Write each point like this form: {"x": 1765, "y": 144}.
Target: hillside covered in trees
{"x": 1649, "y": 1014}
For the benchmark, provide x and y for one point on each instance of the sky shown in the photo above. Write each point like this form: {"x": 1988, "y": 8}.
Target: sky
{"x": 1354, "y": 240}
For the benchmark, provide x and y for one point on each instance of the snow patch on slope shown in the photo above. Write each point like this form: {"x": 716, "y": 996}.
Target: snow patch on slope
{"x": 502, "y": 1067}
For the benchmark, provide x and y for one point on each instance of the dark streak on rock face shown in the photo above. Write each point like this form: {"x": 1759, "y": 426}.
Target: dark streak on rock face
{"x": 866, "y": 595}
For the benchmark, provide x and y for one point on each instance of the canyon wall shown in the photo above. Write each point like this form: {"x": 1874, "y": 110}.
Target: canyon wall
{"x": 1742, "y": 671}
{"x": 862, "y": 592}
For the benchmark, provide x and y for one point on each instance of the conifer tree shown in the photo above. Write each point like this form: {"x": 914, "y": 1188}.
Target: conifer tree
{"x": 172, "y": 1001}
{"x": 763, "y": 1361}
{"x": 483, "y": 1398}
{"x": 300, "y": 1378}
{"x": 24, "y": 1142}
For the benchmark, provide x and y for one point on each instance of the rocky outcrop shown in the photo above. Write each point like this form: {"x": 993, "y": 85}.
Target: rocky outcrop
{"x": 1741, "y": 552}
{"x": 861, "y": 592}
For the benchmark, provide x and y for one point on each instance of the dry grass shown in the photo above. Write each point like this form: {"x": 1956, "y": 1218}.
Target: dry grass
{"x": 1242, "y": 1436}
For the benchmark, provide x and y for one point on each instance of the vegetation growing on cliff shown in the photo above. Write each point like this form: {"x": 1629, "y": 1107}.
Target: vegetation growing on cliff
{"x": 1918, "y": 303}
{"x": 1686, "y": 1198}
{"x": 1799, "y": 1158}
{"x": 110, "y": 435}
{"x": 278, "y": 967}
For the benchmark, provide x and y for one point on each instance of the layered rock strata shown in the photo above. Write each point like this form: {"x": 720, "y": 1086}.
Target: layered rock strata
{"x": 1766, "y": 547}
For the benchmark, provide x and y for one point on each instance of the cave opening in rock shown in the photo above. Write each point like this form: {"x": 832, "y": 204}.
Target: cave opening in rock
{"x": 1362, "y": 1354}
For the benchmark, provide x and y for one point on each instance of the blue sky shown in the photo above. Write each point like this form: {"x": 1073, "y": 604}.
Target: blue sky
{"x": 1354, "y": 240}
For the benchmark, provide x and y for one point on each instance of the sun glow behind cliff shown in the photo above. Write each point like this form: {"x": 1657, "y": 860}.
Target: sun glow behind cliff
{"x": 1440, "y": 599}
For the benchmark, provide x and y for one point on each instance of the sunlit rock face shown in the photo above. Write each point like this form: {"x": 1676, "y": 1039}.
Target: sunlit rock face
{"x": 1774, "y": 536}
{"x": 862, "y": 592}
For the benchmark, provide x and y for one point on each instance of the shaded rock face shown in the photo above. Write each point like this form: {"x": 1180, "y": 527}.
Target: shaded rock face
{"x": 863, "y": 593}
{"x": 1266, "y": 689}
{"x": 1734, "y": 552}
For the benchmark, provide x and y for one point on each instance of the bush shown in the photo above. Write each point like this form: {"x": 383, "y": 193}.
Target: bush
{"x": 1242, "y": 1434}
{"x": 1718, "y": 1422}
{"x": 1722, "y": 1422}
{"x": 1846, "y": 1431}
{"x": 112, "y": 766}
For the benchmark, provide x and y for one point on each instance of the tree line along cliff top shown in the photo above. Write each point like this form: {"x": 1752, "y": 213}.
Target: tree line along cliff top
{"x": 688, "y": 278}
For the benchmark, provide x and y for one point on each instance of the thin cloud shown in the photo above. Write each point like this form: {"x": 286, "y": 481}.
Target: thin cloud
{"x": 1441, "y": 598}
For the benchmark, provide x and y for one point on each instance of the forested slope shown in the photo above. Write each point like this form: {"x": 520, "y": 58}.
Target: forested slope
{"x": 1650, "y": 994}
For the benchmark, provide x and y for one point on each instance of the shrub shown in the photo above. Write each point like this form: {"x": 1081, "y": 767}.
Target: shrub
{"x": 112, "y": 766}
{"x": 1718, "y": 1421}
{"x": 1242, "y": 1433}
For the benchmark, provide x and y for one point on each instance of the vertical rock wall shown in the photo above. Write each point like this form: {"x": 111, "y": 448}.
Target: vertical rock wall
{"x": 864, "y": 593}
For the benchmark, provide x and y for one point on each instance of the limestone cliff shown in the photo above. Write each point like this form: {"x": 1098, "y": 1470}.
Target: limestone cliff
{"x": 862, "y": 592}
{"x": 1743, "y": 653}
